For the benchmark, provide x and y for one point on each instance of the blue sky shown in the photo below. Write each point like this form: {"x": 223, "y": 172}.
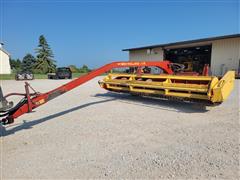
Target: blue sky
{"x": 95, "y": 32}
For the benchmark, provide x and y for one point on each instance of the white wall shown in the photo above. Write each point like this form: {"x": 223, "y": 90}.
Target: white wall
{"x": 225, "y": 55}
{"x": 4, "y": 63}
{"x": 142, "y": 55}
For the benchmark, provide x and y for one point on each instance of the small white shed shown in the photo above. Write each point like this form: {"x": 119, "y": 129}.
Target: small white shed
{"x": 4, "y": 61}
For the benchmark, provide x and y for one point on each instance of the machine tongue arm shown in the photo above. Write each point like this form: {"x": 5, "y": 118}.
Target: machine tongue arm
{"x": 34, "y": 100}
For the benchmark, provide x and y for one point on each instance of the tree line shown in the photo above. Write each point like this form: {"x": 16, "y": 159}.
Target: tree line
{"x": 43, "y": 62}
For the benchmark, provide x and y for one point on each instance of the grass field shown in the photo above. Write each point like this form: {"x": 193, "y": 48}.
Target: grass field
{"x": 36, "y": 76}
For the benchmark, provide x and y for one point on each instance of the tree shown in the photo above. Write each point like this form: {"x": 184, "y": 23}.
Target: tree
{"x": 15, "y": 64}
{"x": 45, "y": 62}
{"x": 28, "y": 62}
{"x": 73, "y": 68}
{"x": 84, "y": 69}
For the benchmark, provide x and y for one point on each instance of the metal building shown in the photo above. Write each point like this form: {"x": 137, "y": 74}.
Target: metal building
{"x": 4, "y": 61}
{"x": 222, "y": 53}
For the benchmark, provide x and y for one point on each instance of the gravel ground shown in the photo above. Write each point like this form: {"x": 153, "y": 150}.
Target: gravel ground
{"x": 91, "y": 133}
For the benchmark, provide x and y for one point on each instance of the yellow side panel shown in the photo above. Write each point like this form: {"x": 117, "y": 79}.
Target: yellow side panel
{"x": 223, "y": 88}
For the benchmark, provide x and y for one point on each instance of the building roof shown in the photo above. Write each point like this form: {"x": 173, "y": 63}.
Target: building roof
{"x": 185, "y": 42}
{"x": 3, "y": 50}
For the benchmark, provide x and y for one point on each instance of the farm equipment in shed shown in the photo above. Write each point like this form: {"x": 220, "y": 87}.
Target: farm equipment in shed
{"x": 168, "y": 83}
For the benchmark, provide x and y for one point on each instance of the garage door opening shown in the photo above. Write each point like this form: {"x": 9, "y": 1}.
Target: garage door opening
{"x": 193, "y": 58}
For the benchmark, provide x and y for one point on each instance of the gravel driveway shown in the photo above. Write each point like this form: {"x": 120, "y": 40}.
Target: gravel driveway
{"x": 91, "y": 133}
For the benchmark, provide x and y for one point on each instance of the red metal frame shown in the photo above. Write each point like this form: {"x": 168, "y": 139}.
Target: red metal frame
{"x": 35, "y": 99}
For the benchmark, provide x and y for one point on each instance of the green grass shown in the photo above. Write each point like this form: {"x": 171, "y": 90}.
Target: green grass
{"x": 36, "y": 76}
{"x": 75, "y": 75}
{"x": 7, "y": 76}
{"x": 40, "y": 76}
